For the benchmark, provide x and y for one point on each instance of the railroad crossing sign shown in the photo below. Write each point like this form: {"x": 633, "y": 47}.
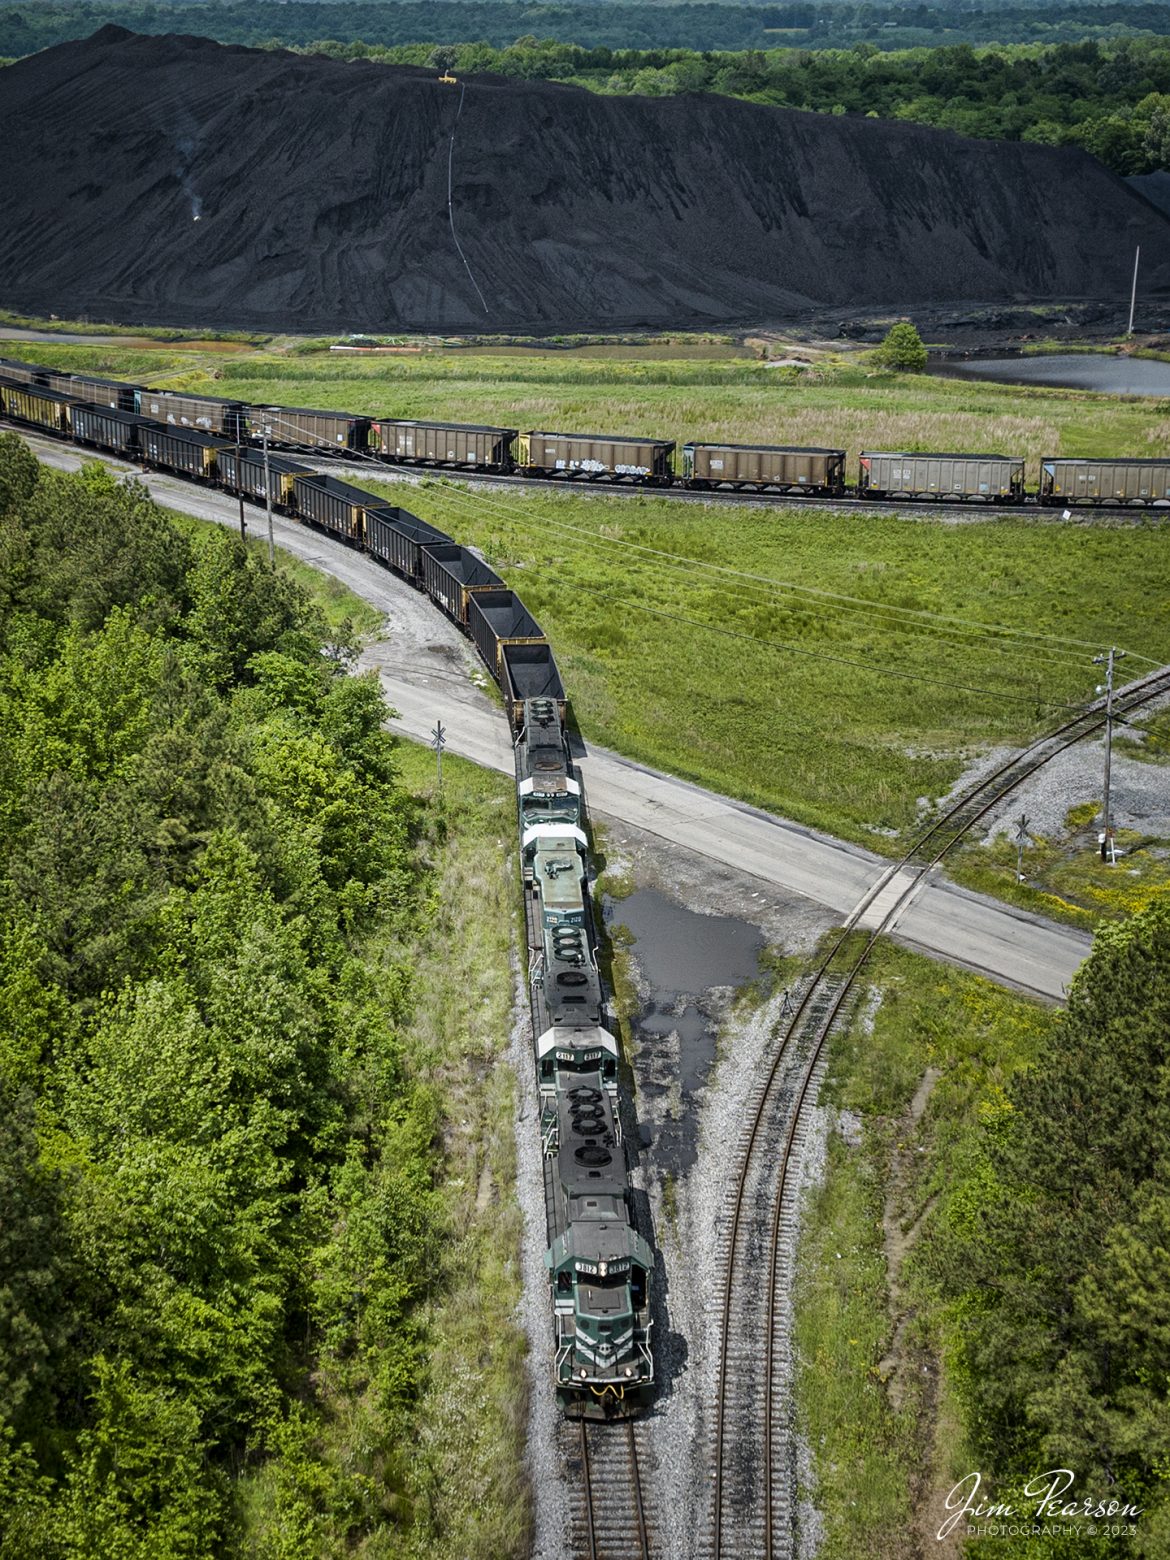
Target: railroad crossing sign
{"x": 439, "y": 742}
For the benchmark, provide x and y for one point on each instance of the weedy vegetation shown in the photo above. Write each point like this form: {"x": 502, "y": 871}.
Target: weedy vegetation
{"x": 908, "y": 1086}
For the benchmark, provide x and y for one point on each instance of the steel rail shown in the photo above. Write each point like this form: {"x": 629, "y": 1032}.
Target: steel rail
{"x": 643, "y": 1534}
{"x": 588, "y": 1482}
{"x": 598, "y": 1489}
{"x": 1013, "y": 773}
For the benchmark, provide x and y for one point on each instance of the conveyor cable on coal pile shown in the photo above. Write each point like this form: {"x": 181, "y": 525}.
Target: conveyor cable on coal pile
{"x": 450, "y": 202}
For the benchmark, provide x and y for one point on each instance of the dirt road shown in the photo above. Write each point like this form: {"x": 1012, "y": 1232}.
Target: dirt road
{"x": 430, "y": 672}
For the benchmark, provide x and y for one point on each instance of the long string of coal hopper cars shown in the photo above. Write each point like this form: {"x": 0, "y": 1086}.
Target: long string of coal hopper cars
{"x": 883, "y": 475}
{"x": 598, "y": 1265}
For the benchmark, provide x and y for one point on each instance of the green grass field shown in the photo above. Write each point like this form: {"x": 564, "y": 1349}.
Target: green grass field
{"x": 918, "y": 1069}
{"x": 836, "y": 668}
{"x": 833, "y": 668}
{"x": 835, "y": 401}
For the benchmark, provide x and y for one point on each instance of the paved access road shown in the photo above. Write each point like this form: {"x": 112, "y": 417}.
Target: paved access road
{"x": 430, "y": 672}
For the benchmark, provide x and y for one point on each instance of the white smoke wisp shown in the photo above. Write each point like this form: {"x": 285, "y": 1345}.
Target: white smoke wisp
{"x": 186, "y": 146}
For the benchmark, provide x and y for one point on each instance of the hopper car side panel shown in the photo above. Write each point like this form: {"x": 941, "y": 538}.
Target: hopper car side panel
{"x": 1104, "y": 481}
{"x": 451, "y": 573}
{"x": 594, "y": 456}
{"x": 207, "y": 413}
{"x": 184, "y": 450}
{"x": 334, "y": 506}
{"x": 912, "y": 475}
{"x": 13, "y": 372}
{"x": 298, "y": 427}
{"x": 466, "y": 445}
{"x": 398, "y": 539}
{"x": 498, "y": 617}
{"x": 789, "y": 468}
{"x": 106, "y": 428}
{"x": 282, "y": 473}
{"x": 40, "y": 408}
{"x": 112, "y": 393}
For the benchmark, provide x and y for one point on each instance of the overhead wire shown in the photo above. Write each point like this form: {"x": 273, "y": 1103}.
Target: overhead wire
{"x": 773, "y": 591}
{"x": 836, "y": 660}
{"x": 1027, "y": 640}
{"x": 820, "y": 654}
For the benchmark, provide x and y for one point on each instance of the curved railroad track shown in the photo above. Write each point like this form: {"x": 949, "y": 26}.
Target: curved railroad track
{"x": 952, "y": 509}
{"x": 754, "y": 1471}
{"x": 609, "y": 1518}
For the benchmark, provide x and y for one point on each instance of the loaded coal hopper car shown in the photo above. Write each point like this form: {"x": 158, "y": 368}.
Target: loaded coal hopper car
{"x": 596, "y": 457}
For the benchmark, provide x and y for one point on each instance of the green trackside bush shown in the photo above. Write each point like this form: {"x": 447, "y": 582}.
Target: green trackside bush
{"x": 226, "y": 1272}
{"x": 902, "y": 350}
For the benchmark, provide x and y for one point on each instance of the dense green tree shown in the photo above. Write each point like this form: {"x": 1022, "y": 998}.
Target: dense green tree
{"x": 35, "y": 1308}
{"x": 140, "y": 1488}
{"x": 216, "y": 1168}
{"x": 19, "y": 472}
{"x": 96, "y": 544}
{"x": 1056, "y": 1253}
{"x": 901, "y": 350}
{"x": 239, "y": 607}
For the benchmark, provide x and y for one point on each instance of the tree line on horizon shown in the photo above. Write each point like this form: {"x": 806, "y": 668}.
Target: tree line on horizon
{"x": 817, "y": 24}
{"x": 1108, "y": 97}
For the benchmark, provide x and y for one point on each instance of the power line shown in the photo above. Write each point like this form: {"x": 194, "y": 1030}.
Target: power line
{"x": 937, "y": 638}
{"x": 913, "y": 617}
{"x": 836, "y": 660}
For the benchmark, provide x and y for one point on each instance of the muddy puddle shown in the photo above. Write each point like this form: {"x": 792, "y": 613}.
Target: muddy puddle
{"x": 688, "y": 966}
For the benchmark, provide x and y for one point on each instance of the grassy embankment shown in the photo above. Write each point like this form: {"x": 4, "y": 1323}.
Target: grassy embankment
{"x": 917, "y": 1071}
{"x": 849, "y": 668}
{"x": 851, "y": 690}
{"x": 467, "y": 1467}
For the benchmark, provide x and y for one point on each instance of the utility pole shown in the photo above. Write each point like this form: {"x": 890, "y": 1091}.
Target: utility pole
{"x": 1133, "y": 291}
{"x": 240, "y": 480}
{"x": 268, "y": 498}
{"x": 439, "y": 742}
{"x": 1108, "y": 852}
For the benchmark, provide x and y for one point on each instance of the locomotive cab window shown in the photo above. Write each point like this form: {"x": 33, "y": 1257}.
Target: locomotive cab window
{"x": 637, "y": 1287}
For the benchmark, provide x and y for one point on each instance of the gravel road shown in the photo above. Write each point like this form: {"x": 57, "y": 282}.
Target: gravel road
{"x": 429, "y": 672}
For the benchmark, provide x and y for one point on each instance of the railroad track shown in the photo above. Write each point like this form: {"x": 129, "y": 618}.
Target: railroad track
{"x": 609, "y": 1518}
{"x": 754, "y": 1465}
{"x": 387, "y": 471}
{"x": 346, "y": 466}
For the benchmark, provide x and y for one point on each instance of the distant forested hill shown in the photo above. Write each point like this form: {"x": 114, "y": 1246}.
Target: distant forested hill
{"x": 24, "y": 29}
{"x": 1108, "y": 93}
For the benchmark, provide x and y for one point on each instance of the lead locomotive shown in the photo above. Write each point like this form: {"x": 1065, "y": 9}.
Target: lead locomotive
{"x": 599, "y": 1266}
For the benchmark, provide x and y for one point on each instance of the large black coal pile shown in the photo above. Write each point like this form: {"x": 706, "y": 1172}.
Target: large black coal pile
{"x": 172, "y": 180}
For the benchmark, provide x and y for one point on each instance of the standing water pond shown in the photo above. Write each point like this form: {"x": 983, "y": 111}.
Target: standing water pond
{"x": 689, "y": 965}
{"x": 1112, "y": 375}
